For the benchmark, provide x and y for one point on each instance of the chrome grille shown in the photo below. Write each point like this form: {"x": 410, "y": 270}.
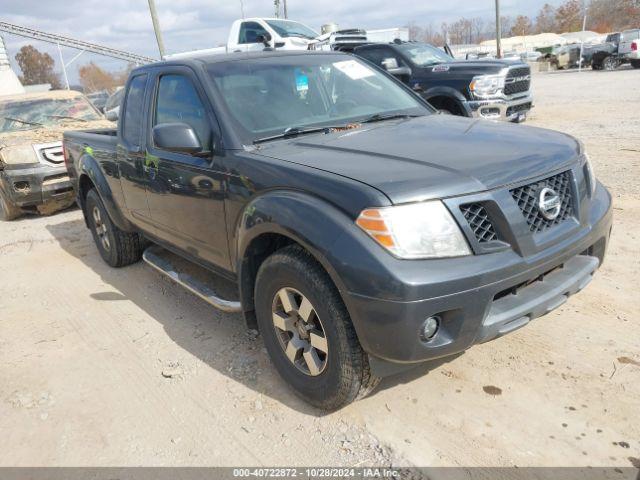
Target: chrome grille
{"x": 53, "y": 155}
{"x": 50, "y": 153}
{"x": 527, "y": 199}
{"x": 518, "y": 80}
{"x": 479, "y": 221}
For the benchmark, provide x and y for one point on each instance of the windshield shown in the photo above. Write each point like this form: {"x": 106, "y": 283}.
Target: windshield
{"x": 424, "y": 55}
{"x": 30, "y": 114}
{"x": 292, "y": 29}
{"x": 266, "y": 96}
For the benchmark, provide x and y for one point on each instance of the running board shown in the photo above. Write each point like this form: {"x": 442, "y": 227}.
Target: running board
{"x": 152, "y": 256}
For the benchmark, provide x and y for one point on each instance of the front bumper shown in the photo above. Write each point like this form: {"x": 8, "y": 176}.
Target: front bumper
{"x": 37, "y": 187}
{"x": 477, "y": 298}
{"x": 506, "y": 109}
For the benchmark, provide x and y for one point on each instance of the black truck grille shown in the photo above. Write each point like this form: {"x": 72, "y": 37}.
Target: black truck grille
{"x": 518, "y": 80}
{"x": 527, "y": 198}
{"x": 478, "y": 220}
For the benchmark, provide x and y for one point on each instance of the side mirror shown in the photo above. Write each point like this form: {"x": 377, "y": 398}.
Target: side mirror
{"x": 265, "y": 39}
{"x": 391, "y": 66}
{"x": 176, "y": 137}
{"x": 389, "y": 63}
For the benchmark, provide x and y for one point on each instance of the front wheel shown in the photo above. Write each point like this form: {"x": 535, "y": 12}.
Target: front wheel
{"x": 8, "y": 211}
{"x": 635, "y": 63}
{"x": 117, "y": 247}
{"x": 308, "y": 332}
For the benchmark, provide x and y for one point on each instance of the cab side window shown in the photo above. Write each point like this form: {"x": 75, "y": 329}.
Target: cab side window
{"x": 178, "y": 102}
{"x": 250, "y": 31}
{"x": 379, "y": 54}
{"x": 132, "y": 126}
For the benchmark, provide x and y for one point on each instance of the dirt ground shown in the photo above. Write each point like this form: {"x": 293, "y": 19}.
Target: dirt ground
{"x": 121, "y": 367}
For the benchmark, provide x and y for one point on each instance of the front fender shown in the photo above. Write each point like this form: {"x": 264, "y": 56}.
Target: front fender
{"x": 90, "y": 168}
{"x": 353, "y": 261}
{"x": 305, "y": 219}
{"x": 442, "y": 91}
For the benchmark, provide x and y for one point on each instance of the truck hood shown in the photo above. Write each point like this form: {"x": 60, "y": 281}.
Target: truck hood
{"x": 471, "y": 67}
{"x": 435, "y": 156}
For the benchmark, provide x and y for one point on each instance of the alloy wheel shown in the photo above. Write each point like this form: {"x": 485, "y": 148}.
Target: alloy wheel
{"x": 300, "y": 331}
{"x": 101, "y": 228}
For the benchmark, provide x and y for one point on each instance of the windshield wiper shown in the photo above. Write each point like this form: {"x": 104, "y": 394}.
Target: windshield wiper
{"x": 26, "y": 122}
{"x": 67, "y": 116}
{"x": 294, "y": 132}
{"x": 381, "y": 118}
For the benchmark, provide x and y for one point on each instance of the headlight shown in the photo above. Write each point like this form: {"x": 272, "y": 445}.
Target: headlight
{"x": 588, "y": 173}
{"x": 484, "y": 85}
{"x": 418, "y": 230}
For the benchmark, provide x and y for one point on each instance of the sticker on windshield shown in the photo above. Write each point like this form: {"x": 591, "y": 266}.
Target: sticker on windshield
{"x": 302, "y": 80}
{"x": 440, "y": 68}
{"x": 353, "y": 69}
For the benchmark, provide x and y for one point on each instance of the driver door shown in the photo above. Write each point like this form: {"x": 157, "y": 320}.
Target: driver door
{"x": 185, "y": 191}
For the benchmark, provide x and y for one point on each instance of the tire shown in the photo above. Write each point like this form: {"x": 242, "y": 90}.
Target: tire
{"x": 8, "y": 211}
{"x": 635, "y": 63}
{"x": 609, "y": 64}
{"x": 117, "y": 248}
{"x": 340, "y": 373}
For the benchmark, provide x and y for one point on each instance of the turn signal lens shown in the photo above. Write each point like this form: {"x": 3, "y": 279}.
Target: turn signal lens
{"x": 418, "y": 230}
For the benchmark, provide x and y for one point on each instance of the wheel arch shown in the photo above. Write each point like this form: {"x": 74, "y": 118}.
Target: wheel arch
{"x": 447, "y": 95}
{"x": 92, "y": 176}
{"x": 280, "y": 219}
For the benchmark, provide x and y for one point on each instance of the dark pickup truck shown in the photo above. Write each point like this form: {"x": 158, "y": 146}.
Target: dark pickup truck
{"x": 364, "y": 232}
{"x": 492, "y": 89}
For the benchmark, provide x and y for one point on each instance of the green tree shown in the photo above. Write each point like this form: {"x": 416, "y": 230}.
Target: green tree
{"x": 36, "y": 67}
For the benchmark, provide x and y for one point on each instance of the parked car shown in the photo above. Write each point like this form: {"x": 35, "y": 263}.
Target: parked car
{"x": 33, "y": 177}
{"x": 629, "y": 47}
{"x": 254, "y": 34}
{"x": 618, "y": 49}
{"x": 365, "y": 233}
{"x": 493, "y": 89}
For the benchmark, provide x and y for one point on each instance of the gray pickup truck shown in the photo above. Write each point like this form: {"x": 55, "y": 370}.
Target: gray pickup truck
{"x": 362, "y": 232}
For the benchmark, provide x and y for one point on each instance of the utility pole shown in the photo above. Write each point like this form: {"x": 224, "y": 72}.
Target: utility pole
{"x": 242, "y": 8}
{"x": 584, "y": 27}
{"x": 498, "y": 31}
{"x": 284, "y": 5}
{"x": 276, "y": 5}
{"x": 156, "y": 27}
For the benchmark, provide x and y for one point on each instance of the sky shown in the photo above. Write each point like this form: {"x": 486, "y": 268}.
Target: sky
{"x": 195, "y": 24}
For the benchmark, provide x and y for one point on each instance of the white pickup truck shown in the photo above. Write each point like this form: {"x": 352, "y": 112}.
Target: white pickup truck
{"x": 629, "y": 47}
{"x": 254, "y": 34}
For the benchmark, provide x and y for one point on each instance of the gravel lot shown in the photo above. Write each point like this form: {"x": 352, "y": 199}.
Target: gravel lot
{"x": 122, "y": 367}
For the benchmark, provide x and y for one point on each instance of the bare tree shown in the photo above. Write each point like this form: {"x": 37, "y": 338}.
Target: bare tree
{"x": 521, "y": 26}
{"x": 546, "y": 19}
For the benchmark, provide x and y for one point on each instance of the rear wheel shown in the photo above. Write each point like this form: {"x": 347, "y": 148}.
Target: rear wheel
{"x": 8, "y": 211}
{"x": 308, "y": 332}
{"x": 635, "y": 63}
{"x": 609, "y": 64}
{"x": 117, "y": 247}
